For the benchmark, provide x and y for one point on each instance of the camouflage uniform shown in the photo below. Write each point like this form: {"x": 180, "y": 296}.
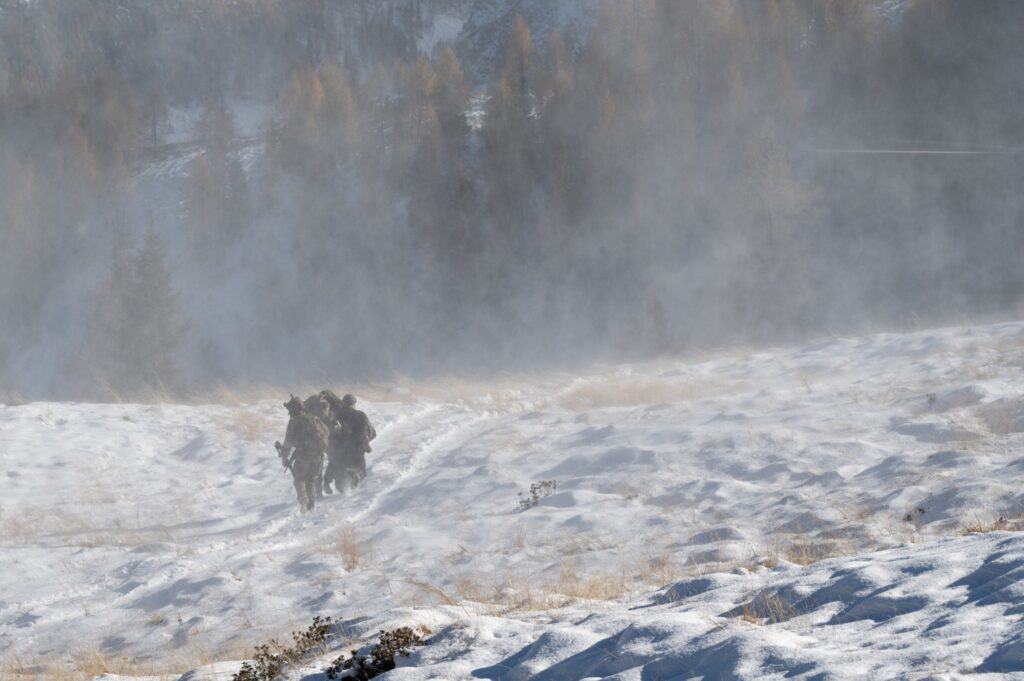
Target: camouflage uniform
{"x": 318, "y": 406}
{"x": 351, "y": 433}
{"x": 308, "y": 436}
{"x": 335, "y": 451}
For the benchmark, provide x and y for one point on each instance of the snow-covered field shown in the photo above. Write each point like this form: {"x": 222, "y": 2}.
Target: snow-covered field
{"x": 171, "y": 534}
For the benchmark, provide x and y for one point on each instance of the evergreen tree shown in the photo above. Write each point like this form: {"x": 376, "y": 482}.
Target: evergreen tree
{"x": 452, "y": 100}
{"x": 218, "y": 201}
{"x": 157, "y": 331}
{"x": 340, "y": 113}
{"x": 136, "y": 332}
{"x": 106, "y": 360}
{"x": 509, "y": 138}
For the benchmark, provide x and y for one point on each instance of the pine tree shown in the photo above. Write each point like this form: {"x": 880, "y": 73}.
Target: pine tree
{"x": 452, "y": 96}
{"x": 340, "y": 117}
{"x": 517, "y": 69}
{"x": 378, "y": 113}
{"x": 508, "y": 131}
{"x": 157, "y": 331}
{"x": 107, "y": 368}
{"x": 298, "y": 141}
{"x": 136, "y": 332}
{"x": 218, "y": 201}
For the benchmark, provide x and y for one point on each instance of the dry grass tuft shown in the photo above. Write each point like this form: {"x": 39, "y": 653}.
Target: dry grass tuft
{"x": 767, "y": 556}
{"x": 599, "y": 586}
{"x": 766, "y": 609}
{"x": 978, "y": 524}
{"x": 31, "y": 522}
{"x": 809, "y": 552}
{"x": 250, "y": 426}
{"x": 659, "y": 571}
{"x": 627, "y": 390}
{"x": 441, "y": 595}
{"x": 512, "y": 593}
{"x": 798, "y": 551}
{"x": 28, "y": 524}
{"x": 17, "y": 527}
{"x": 519, "y": 538}
{"x": 89, "y": 663}
{"x": 469, "y": 589}
{"x": 347, "y": 548}
{"x": 12, "y": 398}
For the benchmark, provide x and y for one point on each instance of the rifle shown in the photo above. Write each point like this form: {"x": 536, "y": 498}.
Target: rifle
{"x": 283, "y": 454}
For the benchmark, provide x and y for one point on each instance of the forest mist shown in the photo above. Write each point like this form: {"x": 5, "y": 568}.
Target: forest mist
{"x": 661, "y": 176}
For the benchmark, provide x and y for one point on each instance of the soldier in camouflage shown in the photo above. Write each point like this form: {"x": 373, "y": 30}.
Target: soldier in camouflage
{"x": 303, "y": 451}
{"x": 318, "y": 406}
{"x": 349, "y": 443}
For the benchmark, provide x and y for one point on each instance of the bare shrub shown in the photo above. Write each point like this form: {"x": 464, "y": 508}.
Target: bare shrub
{"x": 915, "y": 518}
{"x": 272, "y": 659}
{"x": 538, "y": 491}
{"x": 381, "y": 658}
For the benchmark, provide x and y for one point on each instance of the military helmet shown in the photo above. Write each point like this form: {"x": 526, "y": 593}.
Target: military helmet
{"x": 294, "y": 405}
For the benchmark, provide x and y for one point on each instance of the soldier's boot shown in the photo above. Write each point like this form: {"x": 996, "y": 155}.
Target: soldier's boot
{"x": 300, "y": 492}
{"x": 311, "y": 492}
{"x": 359, "y": 470}
{"x": 318, "y": 485}
{"x": 325, "y": 483}
{"x": 352, "y": 478}
{"x": 331, "y": 476}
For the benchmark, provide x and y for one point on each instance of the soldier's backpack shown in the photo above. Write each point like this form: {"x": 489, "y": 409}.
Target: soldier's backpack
{"x": 318, "y": 406}
{"x": 307, "y": 434}
{"x": 358, "y": 429}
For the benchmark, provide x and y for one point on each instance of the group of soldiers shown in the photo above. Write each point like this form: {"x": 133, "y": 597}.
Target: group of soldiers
{"x": 324, "y": 424}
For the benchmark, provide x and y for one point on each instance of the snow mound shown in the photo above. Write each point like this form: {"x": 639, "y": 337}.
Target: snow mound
{"x": 956, "y": 398}
{"x": 935, "y": 432}
{"x": 1004, "y": 416}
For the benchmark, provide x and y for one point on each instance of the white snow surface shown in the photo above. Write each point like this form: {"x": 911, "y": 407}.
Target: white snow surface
{"x": 154, "y": 530}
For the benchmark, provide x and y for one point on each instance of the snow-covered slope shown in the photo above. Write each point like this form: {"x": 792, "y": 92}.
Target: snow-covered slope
{"x": 164, "y": 530}
{"x": 947, "y": 610}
